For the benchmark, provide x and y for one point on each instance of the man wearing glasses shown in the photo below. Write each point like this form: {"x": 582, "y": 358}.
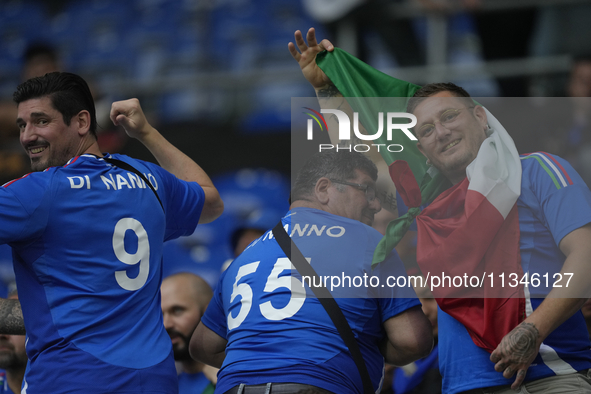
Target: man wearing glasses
{"x": 548, "y": 350}
{"x": 266, "y": 333}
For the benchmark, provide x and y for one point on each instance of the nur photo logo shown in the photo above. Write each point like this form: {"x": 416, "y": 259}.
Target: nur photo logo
{"x": 344, "y": 132}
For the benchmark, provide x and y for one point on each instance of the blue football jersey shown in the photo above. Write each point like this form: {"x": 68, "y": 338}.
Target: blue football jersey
{"x": 87, "y": 244}
{"x": 554, "y": 201}
{"x": 277, "y": 330}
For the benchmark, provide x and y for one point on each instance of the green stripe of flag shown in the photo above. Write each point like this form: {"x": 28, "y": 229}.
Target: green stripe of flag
{"x": 365, "y": 89}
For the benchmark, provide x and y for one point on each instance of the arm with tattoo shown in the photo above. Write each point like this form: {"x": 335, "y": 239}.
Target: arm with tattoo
{"x": 11, "y": 317}
{"x": 328, "y": 91}
{"x": 517, "y": 350}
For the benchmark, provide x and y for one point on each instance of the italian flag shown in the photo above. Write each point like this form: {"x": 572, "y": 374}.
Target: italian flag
{"x": 469, "y": 231}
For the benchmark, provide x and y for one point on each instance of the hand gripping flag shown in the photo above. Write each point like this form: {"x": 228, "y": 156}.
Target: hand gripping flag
{"x": 470, "y": 230}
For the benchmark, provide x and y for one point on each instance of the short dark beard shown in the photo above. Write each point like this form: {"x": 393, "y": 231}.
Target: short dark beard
{"x": 12, "y": 361}
{"x": 58, "y": 160}
{"x": 180, "y": 351}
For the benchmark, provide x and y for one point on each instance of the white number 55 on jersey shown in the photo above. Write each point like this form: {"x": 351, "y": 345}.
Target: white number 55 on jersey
{"x": 273, "y": 282}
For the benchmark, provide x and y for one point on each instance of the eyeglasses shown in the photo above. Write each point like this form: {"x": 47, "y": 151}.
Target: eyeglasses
{"x": 370, "y": 191}
{"x": 446, "y": 119}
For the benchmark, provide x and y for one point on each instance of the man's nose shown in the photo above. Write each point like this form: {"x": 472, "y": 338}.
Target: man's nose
{"x": 441, "y": 131}
{"x": 376, "y": 205}
{"x": 27, "y": 134}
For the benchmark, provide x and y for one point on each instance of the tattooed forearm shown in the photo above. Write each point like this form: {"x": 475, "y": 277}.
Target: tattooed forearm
{"x": 329, "y": 91}
{"x": 11, "y": 317}
{"x": 521, "y": 342}
{"x": 389, "y": 200}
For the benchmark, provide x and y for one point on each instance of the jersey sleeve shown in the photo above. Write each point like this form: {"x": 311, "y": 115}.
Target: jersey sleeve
{"x": 24, "y": 214}
{"x": 563, "y": 197}
{"x": 183, "y": 202}
{"x": 214, "y": 317}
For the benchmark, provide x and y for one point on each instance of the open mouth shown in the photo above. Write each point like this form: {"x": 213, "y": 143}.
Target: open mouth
{"x": 37, "y": 149}
{"x": 451, "y": 145}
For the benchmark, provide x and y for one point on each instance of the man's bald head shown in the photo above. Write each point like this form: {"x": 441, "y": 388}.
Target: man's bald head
{"x": 201, "y": 291}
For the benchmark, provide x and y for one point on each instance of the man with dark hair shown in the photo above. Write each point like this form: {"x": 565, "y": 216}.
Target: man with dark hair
{"x": 184, "y": 299}
{"x": 265, "y": 330}
{"x": 548, "y": 347}
{"x": 87, "y": 232}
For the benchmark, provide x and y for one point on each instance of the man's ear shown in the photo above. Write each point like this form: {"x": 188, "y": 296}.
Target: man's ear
{"x": 321, "y": 190}
{"x": 480, "y": 114}
{"x": 83, "y": 121}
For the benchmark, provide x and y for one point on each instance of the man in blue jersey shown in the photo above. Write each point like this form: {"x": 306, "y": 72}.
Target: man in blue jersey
{"x": 549, "y": 352}
{"x": 184, "y": 299}
{"x": 263, "y": 329}
{"x": 87, "y": 231}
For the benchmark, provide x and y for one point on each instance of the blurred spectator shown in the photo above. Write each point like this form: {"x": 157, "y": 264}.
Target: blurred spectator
{"x": 566, "y": 122}
{"x": 463, "y": 41}
{"x": 505, "y": 34}
{"x": 38, "y": 59}
{"x": 184, "y": 299}
{"x": 13, "y": 360}
{"x": 255, "y": 225}
{"x": 560, "y": 29}
{"x": 349, "y": 20}
{"x": 579, "y": 84}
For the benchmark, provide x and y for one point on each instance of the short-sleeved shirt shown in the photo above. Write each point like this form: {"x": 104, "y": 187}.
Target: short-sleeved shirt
{"x": 554, "y": 201}
{"x": 87, "y": 245}
{"x": 276, "y": 335}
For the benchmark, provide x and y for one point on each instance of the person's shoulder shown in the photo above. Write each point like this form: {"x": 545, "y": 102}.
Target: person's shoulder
{"x": 547, "y": 167}
{"x": 539, "y": 159}
{"x": 32, "y": 178}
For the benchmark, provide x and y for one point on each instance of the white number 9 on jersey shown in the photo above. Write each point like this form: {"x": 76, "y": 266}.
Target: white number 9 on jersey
{"x": 141, "y": 256}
